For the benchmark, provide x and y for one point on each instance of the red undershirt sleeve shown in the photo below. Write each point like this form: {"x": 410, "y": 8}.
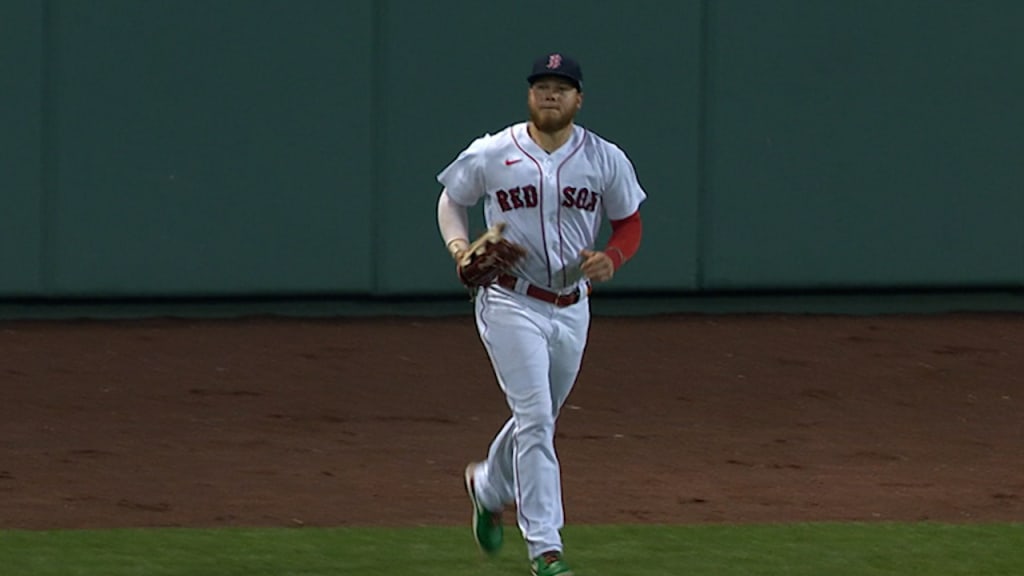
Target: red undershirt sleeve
{"x": 625, "y": 239}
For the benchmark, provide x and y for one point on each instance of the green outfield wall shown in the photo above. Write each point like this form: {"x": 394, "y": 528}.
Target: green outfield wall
{"x": 221, "y": 148}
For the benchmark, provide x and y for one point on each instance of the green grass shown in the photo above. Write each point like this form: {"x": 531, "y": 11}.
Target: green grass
{"x": 790, "y": 549}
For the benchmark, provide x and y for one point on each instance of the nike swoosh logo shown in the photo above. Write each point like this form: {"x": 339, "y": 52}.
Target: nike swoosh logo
{"x": 511, "y": 162}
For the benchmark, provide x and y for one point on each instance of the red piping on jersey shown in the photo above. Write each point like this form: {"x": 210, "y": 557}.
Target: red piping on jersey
{"x": 540, "y": 196}
{"x": 625, "y": 239}
{"x": 558, "y": 185}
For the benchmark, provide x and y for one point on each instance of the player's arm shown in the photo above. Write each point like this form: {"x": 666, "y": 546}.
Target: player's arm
{"x": 625, "y": 239}
{"x": 453, "y": 222}
{"x": 622, "y": 245}
{"x": 622, "y": 199}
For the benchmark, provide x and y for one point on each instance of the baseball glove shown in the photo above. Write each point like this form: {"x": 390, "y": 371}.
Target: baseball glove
{"x": 488, "y": 256}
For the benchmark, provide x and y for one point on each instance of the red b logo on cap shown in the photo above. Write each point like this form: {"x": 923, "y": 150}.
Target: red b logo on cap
{"x": 554, "y": 61}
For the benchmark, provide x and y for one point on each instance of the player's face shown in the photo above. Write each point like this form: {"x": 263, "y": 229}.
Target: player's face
{"x": 553, "y": 103}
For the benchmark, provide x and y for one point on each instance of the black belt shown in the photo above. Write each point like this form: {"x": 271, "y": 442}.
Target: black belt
{"x": 560, "y": 300}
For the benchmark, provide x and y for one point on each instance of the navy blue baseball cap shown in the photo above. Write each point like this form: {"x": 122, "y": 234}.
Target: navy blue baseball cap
{"x": 557, "y": 65}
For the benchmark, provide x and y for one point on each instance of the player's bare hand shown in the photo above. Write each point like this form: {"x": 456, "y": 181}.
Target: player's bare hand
{"x": 597, "y": 266}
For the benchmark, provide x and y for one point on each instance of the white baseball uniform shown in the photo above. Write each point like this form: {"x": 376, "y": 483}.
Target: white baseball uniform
{"x": 552, "y": 205}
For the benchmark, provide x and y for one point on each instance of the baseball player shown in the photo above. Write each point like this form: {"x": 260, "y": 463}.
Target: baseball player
{"x": 546, "y": 183}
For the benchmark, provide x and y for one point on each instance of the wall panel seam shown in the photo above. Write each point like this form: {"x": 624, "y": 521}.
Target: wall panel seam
{"x": 377, "y": 112}
{"x": 702, "y": 196}
{"x": 47, "y": 152}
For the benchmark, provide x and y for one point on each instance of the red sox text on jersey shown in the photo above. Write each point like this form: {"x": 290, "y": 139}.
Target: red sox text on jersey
{"x": 526, "y": 197}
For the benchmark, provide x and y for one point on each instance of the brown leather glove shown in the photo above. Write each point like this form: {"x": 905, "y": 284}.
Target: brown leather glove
{"x": 487, "y": 257}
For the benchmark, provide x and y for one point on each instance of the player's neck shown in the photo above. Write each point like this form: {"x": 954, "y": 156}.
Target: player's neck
{"x": 550, "y": 141}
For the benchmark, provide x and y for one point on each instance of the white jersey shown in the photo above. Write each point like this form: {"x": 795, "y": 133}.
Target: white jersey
{"x": 551, "y": 203}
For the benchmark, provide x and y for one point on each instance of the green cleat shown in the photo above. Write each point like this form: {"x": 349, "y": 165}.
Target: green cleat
{"x": 487, "y": 530}
{"x": 550, "y": 564}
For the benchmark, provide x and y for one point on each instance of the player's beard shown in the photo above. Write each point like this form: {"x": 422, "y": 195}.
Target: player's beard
{"x": 546, "y": 121}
